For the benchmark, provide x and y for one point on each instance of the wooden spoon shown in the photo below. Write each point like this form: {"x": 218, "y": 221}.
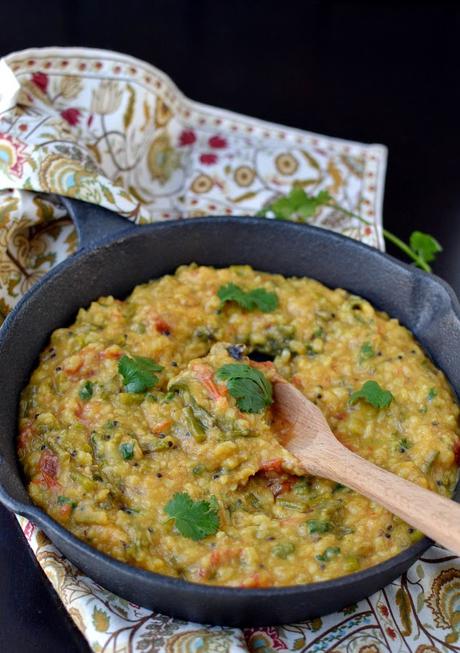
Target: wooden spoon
{"x": 321, "y": 454}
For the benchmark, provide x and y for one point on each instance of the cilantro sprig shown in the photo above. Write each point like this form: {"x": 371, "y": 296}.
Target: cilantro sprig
{"x": 193, "y": 519}
{"x": 138, "y": 373}
{"x": 373, "y": 394}
{"x": 251, "y": 389}
{"x": 257, "y": 299}
{"x": 299, "y": 206}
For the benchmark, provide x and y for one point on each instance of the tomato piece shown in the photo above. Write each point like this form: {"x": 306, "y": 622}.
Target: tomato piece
{"x": 256, "y": 581}
{"x": 161, "y": 426}
{"x": 49, "y": 467}
{"x": 65, "y": 510}
{"x": 162, "y": 326}
{"x": 49, "y": 463}
{"x": 204, "y": 374}
{"x": 112, "y": 353}
{"x": 457, "y": 452}
{"x": 25, "y": 433}
{"x": 275, "y": 465}
{"x": 262, "y": 365}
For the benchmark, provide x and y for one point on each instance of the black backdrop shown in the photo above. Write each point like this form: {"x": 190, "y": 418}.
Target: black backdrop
{"x": 383, "y": 72}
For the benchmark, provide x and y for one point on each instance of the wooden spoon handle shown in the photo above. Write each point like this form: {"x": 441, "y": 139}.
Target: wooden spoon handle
{"x": 434, "y": 515}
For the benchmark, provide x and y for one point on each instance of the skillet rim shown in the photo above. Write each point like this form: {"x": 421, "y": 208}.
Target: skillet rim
{"x": 38, "y": 516}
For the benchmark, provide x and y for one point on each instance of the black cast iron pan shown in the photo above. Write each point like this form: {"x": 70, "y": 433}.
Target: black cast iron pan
{"x": 115, "y": 256}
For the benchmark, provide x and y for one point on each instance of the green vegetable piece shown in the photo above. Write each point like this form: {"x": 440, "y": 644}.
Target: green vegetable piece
{"x": 373, "y": 394}
{"x": 404, "y": 444}
{"x": 283, "y": 550}
{"x": 198, "y": 469}
{"x": 169, "y": 396}
{"x": 194, "y": 425}
{"x": 86, "y": 391}
{"x": 366, "y": 352}
{"x": 250, "y": 388}
{"x": 257, "y": 299}
{"x": 316, "y": 526}
{"x": 302, "y": 487}
{"x": 254, "y": 501}
{"x": 127, "y": 450}
{"x": 193, "y": 519}
{"x": 432, "y": 393}
{"x": 138, "y": 373}
{"x": 328, "y": 554}
{"x": 64, "y": 501}
{"x": 299, "y": 506}
{"x": 424, "y": 246}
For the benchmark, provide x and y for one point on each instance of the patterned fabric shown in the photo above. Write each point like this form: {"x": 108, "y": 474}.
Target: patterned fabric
{"x": 115, "y": 131}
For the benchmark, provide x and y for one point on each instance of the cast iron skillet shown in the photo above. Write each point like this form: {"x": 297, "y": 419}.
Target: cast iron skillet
{"x": 115, "y": 256}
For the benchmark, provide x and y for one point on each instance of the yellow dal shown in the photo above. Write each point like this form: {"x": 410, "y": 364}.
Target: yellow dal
{"x": 267, "y": 535}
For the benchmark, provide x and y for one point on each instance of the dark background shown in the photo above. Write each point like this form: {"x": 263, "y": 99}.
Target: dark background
{"x": 384, "y": 72}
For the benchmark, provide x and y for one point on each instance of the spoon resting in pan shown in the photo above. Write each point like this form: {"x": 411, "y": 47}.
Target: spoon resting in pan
{"x": 321, "y": 454}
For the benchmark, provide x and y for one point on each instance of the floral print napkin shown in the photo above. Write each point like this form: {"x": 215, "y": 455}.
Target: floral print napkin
{"x": 115, "y": 131}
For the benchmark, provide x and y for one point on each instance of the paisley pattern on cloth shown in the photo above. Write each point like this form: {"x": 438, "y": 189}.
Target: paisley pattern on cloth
{"x": 115, "y": 131}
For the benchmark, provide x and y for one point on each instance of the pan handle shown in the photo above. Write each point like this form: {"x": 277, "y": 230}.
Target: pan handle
{"x": 93, "y": 223}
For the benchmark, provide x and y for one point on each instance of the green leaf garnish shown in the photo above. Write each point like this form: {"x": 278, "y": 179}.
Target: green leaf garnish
{"x": 432, "y": 393}
{"x": 424, "y": 246}
{"x": 318, "y": 526}
{"x": 250, "y": 388}
{"x": 373, "y": 394}
{"x": 127, "y": 450}
{"x": 86, "y": 391}
{"x": 193, "y": 519}
{"x": 138, "y": 373}
{"x": 328, "y": 554}
{"x": 366, "y": 352}
{"x": 297, "y": 205}
{"x": 257, "y": 299}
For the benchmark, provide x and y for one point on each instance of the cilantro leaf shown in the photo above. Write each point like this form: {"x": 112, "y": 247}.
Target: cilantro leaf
{"x": 366, "y": 352}
{"x": 297, "y": 205}
{"x": 259, "y": 298}
{"x": 138, "y": 373}
{"x": 264, "y": 300}
{"x": 193, "y": 519}
{"x": 86, "y": 391}
{"x": 424, "y": 246}
{"x": 250, "y": 388}
{"x": 373, "y": 394}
